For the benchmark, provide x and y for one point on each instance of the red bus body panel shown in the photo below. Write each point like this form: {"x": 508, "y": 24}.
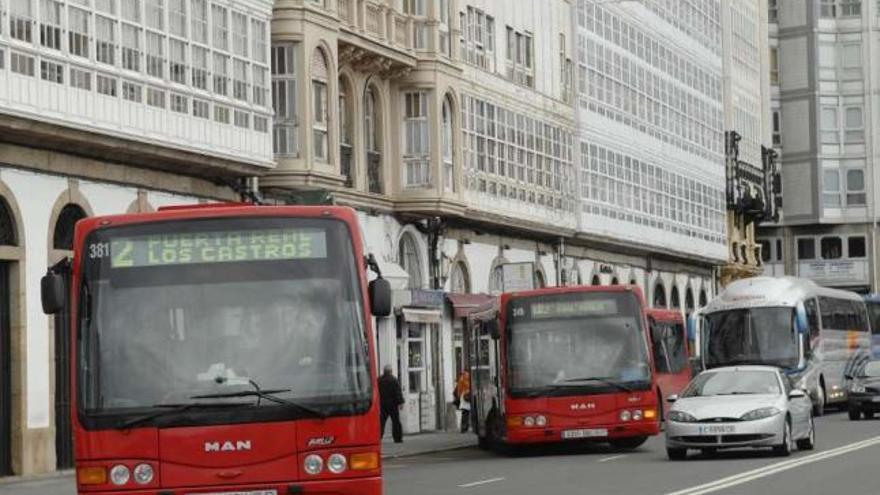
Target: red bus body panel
{"x": 593, "y": 411}
{"x": 671, "y": 383}
{"x": 277, "y": 449}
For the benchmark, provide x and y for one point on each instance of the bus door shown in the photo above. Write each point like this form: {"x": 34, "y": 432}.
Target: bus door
{"x": 669, "y": 341}
{"x": 484, "y": 377}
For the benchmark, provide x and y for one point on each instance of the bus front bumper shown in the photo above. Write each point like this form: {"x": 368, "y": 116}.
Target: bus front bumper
{"x": 354, "y": 486}
{"x": 594, "y": 433}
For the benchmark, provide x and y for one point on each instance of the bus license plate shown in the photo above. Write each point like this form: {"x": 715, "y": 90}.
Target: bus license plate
{"x": 587, "y": 433}
{"x": 254, "y": 492}
{"x": 716, "y": 429}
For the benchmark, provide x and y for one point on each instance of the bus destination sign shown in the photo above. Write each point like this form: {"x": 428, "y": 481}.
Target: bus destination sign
{"x": 571, "y": 308}
{"x": 215, "y": 247}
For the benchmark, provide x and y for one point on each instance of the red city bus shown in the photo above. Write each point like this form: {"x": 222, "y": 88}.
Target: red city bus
{"x": 222, "y": 349}
{"x": 671, "y": 357}
{"x": 560, "y": 364}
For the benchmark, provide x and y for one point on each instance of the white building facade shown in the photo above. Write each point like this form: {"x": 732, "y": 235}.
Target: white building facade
{"x": 462, "y": 133}
{"x": 824, "y": 126}
{"x": 109, "y": 106}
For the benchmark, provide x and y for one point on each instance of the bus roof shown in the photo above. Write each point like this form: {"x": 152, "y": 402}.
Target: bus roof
{"x": 759, "y": 292}
{"x": 491, "y": 309}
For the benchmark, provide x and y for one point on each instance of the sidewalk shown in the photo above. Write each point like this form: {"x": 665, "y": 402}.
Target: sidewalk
{"x": 425, "y": 443}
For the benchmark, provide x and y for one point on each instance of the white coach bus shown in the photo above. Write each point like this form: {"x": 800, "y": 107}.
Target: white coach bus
{"x": 815, "y": 334}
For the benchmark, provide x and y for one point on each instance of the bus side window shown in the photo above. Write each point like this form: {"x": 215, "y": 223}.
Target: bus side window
{"x": 676, "y": 347}
{"x": 658, "y": 346}
{"x": 862, "y": 317}
{"x": 812, "y": 317}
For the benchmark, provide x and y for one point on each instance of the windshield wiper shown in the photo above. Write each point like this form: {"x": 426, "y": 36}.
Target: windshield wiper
{"x": 739, "y": 392}
{"x": 174, "y": 409}
{"x": 603, "y": 380}
{"x": 268, "y": 395}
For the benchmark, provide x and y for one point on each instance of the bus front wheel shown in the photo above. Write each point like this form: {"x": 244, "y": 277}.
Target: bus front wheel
{"x": 628, "y": 443}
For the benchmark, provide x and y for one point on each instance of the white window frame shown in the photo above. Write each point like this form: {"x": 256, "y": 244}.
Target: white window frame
{"x": 417, "y": 138}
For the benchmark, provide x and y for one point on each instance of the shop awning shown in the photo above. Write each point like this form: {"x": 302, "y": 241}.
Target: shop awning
{"x": 416, "y": 315}
{"x": 465, "y": 304}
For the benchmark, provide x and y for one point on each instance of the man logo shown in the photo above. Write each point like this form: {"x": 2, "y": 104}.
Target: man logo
{"x": 583, "y": 406}
{"x": 227, "y": 446}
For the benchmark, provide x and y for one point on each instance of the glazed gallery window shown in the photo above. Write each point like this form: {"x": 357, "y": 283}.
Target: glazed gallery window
{"x": 417, "y": 151}
{"x": 320, "y": 109}
{"x": 478, "y": 38}
{"x": 284, "y": 135}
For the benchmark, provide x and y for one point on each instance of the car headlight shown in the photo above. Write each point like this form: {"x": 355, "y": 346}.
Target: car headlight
{"x": 681, "y": 417}
{"x": 856, "y": 387}
{"x": 120, "y": 475}
{"x": 764, "y": 412}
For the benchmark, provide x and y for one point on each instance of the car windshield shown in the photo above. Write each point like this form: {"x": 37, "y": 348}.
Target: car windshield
{"x": 740, "y": 382}
{"x": 755, "y": 335}
{"x": 222, "y": 308}
{"x": 587, "y": 340}
{"x": 872, "y": 370}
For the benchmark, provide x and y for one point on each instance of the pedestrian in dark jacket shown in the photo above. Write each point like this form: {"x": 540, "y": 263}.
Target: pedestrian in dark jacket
{"x": 391, "y": 399}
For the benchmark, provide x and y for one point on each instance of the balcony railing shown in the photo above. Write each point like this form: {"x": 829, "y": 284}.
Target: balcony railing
{"x": 378, "y": 20}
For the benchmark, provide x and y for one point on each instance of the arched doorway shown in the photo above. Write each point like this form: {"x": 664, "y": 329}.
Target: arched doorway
{"x": 689, "y": 301}
{"x": 540, "y": 281}
{"x": 459, "y": 279}
{"x": 8, "y": 237}
{"x": 596, "y": 280}
{"x": 62, "y": 244}
{"x": 703, "y": 299}
{"x": 408, "y": 255}
{"x": 659, "y": 295}
{"x": 496, "y": 279}
{"x": 615, "y": 281}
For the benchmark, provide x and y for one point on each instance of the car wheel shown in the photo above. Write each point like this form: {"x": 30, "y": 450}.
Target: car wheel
{"x": 854, "y": 414}
{"x": 869, "y": 414}
{"x": 808, "y": 443}
{"x": 784, "y": 449}
{"x": 627, "y": 443}
{"x": 676, "y": 454}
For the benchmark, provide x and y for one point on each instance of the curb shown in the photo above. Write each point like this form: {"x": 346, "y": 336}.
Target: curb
{"x": 33, "y": 478}
{"x": 426, "y": 452}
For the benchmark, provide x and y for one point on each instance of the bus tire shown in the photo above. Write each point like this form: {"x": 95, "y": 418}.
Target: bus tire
{"x": 819, "y": 406}
{"x": 854, "y": 414}
{"x": 482, "y": 442}
{"x": 627, "y": 443}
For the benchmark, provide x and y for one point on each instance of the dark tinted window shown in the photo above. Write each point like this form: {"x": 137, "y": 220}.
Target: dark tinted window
{"x": 806, "y": 249}
{"x": 856, "y": 247}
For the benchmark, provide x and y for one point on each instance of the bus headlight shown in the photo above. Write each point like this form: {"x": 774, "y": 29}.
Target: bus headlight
{"x": 143, "y": 474}
{"x": 637, "y": 415}
{"x": 625, "y": 415}
{"x": 337, "y": 463}
{"x": 313, "y": 464}
{"x": 120, "y": 475}
{"x": 540, "y": 420}
{"x": 529, "y": 421}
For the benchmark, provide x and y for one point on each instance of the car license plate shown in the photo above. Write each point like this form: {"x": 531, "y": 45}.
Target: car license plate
{"x": 587, "y": 433}
{"x": 716, "y": 429}
{"x": 253, "y": 492}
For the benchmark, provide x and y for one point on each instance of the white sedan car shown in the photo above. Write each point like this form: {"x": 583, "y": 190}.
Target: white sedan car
{"x": 736, "y": 407}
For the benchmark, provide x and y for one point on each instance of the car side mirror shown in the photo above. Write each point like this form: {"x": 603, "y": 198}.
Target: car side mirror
{"x": 797, "y": 394}
{"x": 849, "y": 376}
{"x": 380, "y": 297}
{"x": 672, "y": 398}
{"x": 52, "y": 293}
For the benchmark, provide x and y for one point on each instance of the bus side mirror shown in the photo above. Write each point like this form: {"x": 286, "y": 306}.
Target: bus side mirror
{"x": 672, "y": 398}
{"x": 380, "y": 297}
{"x": 52, "y": 293}
{"x": 494, "y": 330}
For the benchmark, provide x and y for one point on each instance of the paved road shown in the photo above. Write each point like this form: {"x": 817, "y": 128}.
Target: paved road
{"x": 845, "y": 461}
{"x": 831, "y": 468}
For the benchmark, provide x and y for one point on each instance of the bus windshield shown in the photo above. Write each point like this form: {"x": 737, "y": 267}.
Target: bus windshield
{"x": 577, "y": 343}
{"x": 173, "y": 310}
{"x": 752, "y": 336}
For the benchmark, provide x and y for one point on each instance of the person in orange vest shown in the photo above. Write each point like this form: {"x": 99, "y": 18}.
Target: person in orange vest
{"x": 462, "y": 400}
